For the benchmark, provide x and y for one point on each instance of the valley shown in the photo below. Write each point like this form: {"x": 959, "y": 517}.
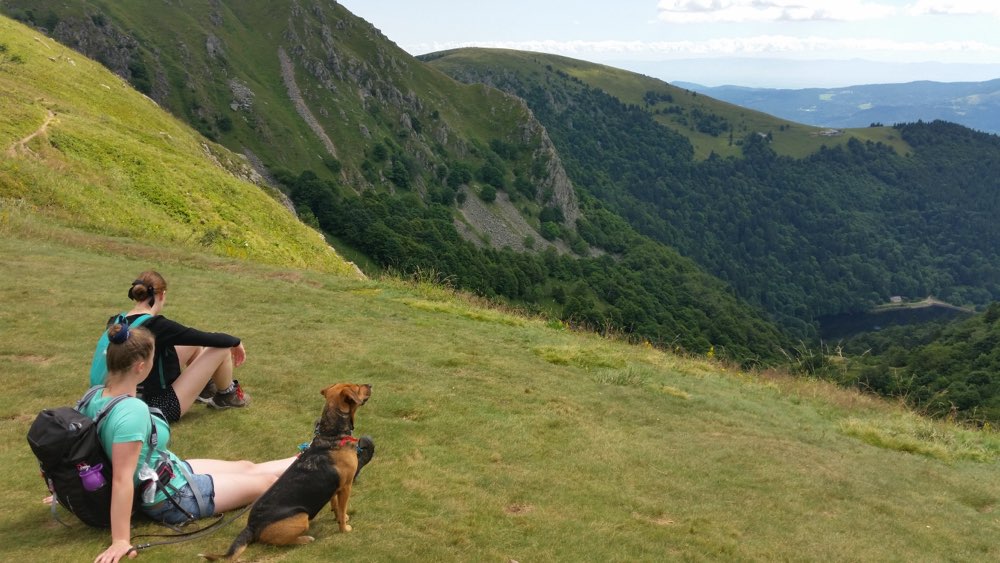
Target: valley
{"x": 600, "y": 198}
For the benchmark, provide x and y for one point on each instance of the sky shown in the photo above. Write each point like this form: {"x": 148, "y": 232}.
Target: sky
{"x": 757, "y": 43}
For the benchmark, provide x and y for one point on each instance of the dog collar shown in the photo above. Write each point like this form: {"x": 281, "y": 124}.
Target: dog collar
{"x": 340, "y": 444}
{"x": 347, "y": 440}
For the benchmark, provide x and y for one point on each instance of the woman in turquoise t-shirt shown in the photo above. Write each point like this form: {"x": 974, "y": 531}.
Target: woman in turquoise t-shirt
{"x": 125, "y": 435}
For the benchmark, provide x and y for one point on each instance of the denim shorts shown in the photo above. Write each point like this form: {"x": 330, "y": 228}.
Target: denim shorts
{"x": 170, "y": 514}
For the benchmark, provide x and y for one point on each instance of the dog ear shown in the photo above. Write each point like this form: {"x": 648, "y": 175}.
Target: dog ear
{"x": 351, "y": 394}
{"x": 326, "y": 390}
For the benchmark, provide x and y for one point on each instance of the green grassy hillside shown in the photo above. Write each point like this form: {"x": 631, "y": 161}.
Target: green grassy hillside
{"x": 676, "y": 108}
{"x": 499, "y": 437}
{"x": 319, "y": 91}
{"x": 79, "y": 147}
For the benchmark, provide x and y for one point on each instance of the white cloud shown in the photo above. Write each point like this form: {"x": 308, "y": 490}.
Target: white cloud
{"x": 757, "y": 11}
{"x": 783, "y": 45}
{"x": 956, "y": 8}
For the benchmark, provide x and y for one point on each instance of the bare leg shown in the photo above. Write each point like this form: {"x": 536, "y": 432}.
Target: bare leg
{"x": 233, "y": 490}
{"x": 238, "y": 483}
{"x": 203, "y": 366}
{"x": 221, "y": 467}
{"x": 223, "y": 374}
{"x": 187, "y": 354}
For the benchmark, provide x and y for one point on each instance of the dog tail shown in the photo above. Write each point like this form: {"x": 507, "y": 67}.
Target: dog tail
{"x": 239, "y": 544}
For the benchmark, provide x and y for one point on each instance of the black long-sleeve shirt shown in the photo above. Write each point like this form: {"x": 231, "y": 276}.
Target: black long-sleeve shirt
{"x": 166, "y": 365}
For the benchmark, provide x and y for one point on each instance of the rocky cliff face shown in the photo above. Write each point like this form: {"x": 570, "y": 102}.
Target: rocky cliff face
{"x": 555, "y": 180}
{"x": 380, "y": 79}
{"x": 99, "y": 39}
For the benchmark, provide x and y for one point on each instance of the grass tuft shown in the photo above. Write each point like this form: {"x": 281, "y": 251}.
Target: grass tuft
{"x": 579, "y": 356}
{"x": 910, "y": 433}
{"x": 627, "y": 376}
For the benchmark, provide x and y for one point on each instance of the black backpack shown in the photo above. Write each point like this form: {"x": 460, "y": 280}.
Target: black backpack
{"x": 73, "y": 463}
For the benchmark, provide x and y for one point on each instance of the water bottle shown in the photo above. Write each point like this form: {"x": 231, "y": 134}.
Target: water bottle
{"x": 147, "y": 478}
{"x": 91, "y": 477}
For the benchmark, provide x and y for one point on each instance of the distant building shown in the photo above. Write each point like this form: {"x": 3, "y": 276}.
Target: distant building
{"x": 895, "y": 299}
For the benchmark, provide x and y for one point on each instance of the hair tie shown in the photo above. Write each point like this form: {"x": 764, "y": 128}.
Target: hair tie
{"x": 149, "y": 290}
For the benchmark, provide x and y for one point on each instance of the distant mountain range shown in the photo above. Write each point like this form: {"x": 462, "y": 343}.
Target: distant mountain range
{"x": 973, "y": 104}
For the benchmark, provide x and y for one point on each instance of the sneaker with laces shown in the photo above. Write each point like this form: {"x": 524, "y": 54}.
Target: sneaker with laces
{"x": 208, "y": 393}
{"x": 234, "y": 399}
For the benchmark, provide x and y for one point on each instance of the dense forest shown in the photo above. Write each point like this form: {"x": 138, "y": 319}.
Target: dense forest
{"x": 837, "y": 232}
{"x": 947, "y": 369}
{"x": 645, "y": 290}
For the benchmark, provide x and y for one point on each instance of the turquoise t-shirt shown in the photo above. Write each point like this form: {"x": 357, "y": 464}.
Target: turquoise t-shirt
{"x": 131, "y": 421}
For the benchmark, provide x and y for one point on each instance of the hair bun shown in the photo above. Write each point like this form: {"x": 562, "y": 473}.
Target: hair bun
{"x": 118, "y": 333}
{"x": 147, "y": 292}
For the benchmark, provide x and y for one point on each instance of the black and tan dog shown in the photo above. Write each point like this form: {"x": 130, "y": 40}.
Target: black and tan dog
{"x": 323, "y": 473}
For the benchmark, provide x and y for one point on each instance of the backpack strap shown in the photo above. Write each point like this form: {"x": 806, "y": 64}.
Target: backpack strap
{"x": 153, "y": 411}
{"x": 138, "y": 322}
{"x": 106, "y": 410}
{"x": 198, "y": 498}
{"x": 90, "y": 394}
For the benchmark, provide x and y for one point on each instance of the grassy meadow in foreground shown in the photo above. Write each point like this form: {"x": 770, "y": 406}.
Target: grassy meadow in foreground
{"x": 499, "y": 437}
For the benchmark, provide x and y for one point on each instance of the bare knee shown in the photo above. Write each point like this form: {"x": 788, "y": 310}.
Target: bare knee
{"x": 252, "y": 468}
{"x": 243, "y": 466}
{"x": 188, "y": 354}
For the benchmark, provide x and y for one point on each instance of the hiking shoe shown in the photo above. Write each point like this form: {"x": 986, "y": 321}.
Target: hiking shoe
{"x": 208, "y": 393}
{"x": 234, "y": 399}
{"x": 366, "y": 449}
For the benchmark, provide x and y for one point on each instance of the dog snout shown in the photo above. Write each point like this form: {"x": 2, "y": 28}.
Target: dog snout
{"x": 366, "y": 392}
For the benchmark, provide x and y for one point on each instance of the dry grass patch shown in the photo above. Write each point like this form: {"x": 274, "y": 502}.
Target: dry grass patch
{"x": 517, "y": 509}
{"x": 661, "y": 520}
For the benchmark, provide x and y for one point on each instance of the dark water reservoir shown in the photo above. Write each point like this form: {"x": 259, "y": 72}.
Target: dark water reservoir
{"x": 837, "y": 327}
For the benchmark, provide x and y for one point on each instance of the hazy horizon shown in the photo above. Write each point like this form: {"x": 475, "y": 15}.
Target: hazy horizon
{"x": 794, "y": 74}
{"x": 754, "y": 43}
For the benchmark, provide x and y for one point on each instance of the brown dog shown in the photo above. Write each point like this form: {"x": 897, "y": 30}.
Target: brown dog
{"x": 323, "y": 472}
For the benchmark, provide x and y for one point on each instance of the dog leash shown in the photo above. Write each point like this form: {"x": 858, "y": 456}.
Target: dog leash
{"x": 188, "y": 536}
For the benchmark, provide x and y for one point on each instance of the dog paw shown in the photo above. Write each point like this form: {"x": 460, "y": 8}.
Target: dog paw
{"x": 304, "y": 539}
{"x": 346, "y": 528}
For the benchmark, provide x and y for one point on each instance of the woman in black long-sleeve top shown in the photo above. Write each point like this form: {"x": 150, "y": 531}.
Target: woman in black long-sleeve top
{"x": 181, "y": 373}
